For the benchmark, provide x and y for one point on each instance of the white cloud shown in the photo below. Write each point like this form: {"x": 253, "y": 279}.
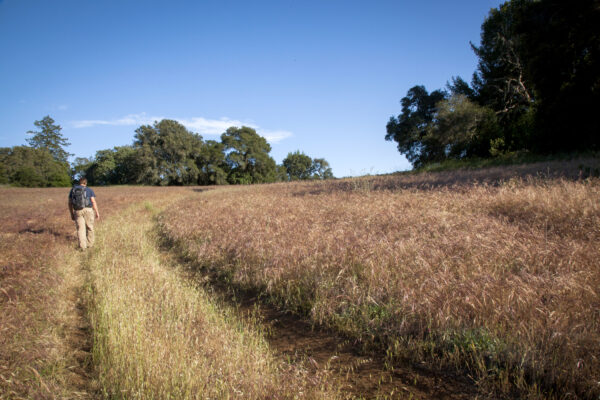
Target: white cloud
{"x": 212, "y": 126}
{"x": 63, "y": 107}
{"x": 199, "y": 125}
{"x": 275, "y": 136}
{"x": 131, "y": 119}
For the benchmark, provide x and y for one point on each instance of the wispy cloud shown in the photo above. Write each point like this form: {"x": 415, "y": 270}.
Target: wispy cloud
{"x": 275, "y": 136}
{"x": 211, "y": 126}
{"x": 130, "y": 119}
{"x": 200, "y": 125}
{"x": 63, "y": 107}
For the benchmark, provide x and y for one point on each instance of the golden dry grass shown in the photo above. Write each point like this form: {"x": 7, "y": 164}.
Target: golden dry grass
{"x": 157, "y": 337}
{"x": 43, "y": 333}
{"x": 499, "y": 279}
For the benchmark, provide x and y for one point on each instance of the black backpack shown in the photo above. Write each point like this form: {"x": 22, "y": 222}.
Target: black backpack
{"x": 79, "y": 198}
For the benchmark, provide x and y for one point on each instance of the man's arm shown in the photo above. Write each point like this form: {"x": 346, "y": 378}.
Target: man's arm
{"x": 95, "y": 207}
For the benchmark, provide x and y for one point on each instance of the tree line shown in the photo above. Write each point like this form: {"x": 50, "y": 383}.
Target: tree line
{"x": 536, "y": 89}
{"x": 165, "y": 153}
{"x": 44, "y": 163}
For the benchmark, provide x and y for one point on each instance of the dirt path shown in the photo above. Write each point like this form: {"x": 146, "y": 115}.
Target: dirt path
{"x": 359, "y": 375}
{"x": 77, "y": 335}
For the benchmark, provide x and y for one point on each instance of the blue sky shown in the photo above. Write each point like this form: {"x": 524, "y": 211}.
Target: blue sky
{"x": 322, "y": 76}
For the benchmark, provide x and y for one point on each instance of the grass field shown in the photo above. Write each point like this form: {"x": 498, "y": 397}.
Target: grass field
{"x": 497, "y": 280}
{"x": 118, "y": 321}
{"x": 489, "y": 274}
{"x": 44, "y": 333}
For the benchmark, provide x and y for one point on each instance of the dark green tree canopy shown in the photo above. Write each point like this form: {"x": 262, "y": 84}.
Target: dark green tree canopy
{"x": 500, "y": 80}
{"x": 247, "y": 156}
{"x": 116, "y": 166}
{"x": 321, "y": 169}
{"x": 211, "y": 163}
{"x": 409, "y": 129}
{"x": 167, "y": 154}
{"x": 50, "y": 139}
{"x": 434, "y": 127}
{"x": 561, "y": 49}
{"x": 80, "y": 167}
{"x": 32, "y": 167}
{"x": 461, "y": 87}
{"x": 463, "y": 128}
{"x": 536, "y": 88}
{"x": 298, "y": 166}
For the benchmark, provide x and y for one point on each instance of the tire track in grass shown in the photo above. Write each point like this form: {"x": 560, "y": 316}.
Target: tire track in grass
{"x": 158, "y": 336}
{"x": 295, "y": 340}
{"x": 45, "y": 336}
{"x": 359, "y": 374}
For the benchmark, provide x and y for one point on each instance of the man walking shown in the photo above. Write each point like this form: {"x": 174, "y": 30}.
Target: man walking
{"x": 82, "y": 205}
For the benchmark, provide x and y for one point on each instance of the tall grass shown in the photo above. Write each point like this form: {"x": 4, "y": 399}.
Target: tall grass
{"x": 156, "y": 337}
{"x": 42, "y": 352}
{"x": 499, "y": 280}
{"x": 44, "y": 340}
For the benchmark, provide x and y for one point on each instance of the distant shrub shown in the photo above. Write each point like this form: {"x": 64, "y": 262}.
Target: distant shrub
{"x": 28, "y": 167}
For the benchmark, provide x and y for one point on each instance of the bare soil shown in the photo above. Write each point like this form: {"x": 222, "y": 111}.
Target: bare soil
{"x": 359, "y": 374}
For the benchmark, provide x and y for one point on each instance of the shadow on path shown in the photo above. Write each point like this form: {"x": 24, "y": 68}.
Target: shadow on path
{"x": 358, "y": 373}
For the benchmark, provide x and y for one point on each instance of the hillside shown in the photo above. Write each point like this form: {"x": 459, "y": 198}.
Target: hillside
{"x": 458, "y": 284}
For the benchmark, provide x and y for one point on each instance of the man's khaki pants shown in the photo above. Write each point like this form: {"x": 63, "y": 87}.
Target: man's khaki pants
{"x": 84, "y": 221}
